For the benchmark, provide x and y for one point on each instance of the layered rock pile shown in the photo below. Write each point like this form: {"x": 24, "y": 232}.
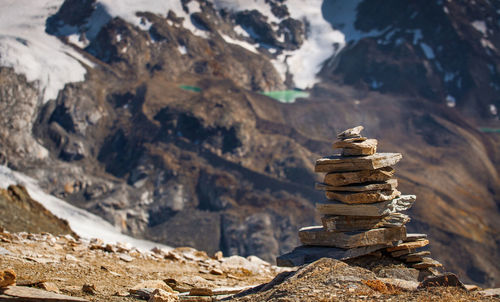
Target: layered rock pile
{"x": 362, "y": 212}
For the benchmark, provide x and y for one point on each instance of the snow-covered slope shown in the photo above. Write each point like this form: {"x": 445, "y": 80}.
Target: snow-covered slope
{"x": 83, "y": 223}
{"x": 26, "y": 47}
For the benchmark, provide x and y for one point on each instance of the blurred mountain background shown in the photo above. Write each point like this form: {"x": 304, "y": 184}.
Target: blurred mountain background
{"x": 197, "y": 122}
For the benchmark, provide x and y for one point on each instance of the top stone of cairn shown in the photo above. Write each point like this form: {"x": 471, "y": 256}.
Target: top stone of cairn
{"x": 351, "y": 133}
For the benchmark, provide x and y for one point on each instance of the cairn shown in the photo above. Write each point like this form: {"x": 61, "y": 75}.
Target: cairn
{"x": 362, "y": 212}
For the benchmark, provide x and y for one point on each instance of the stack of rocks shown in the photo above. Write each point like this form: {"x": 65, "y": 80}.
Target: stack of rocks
{"x": 362, "y": 212}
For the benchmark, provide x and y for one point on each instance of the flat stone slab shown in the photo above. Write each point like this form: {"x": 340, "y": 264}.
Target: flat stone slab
{"x": 337, "y": 163}
{"x": 402, "y": 203}
{"x": 414, "y": 237}
{"x": 409, "y": 245}
{"x": 426, "y": 263}
{"x": 415, "y": 257}
{"x": 28, "y": 294}
{"x": 358, "y": 177}
{"x": 351, "y": 148}
{"x": 351, "y": 132}
{"x": 307, "y": 254}
{"x": 362, "y": 197}
{"x": 390, "y": 184}
{"x": 334, "y": 223}
{"x": 318, "y": 236}
{"x": 490, "y": 292}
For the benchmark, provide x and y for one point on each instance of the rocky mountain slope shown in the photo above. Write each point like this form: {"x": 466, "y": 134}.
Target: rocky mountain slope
{"x": 169, "y": 133}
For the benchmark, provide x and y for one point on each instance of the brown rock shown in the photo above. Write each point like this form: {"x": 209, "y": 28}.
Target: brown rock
{"x": 357, "y": 223}
{"x": 415, "y": 257}
{"x": 362, "y": 197}
{"x": 355, "y": 139}
{"x": 390, "y": 184}
{"x": 218, "y": 256}
{"x": 7, "y": 277}
{"x": 427, "y": 263}
{"x": 346, "y": 178}
{"x": 471, "y": 287}
{"x": 21, "y": 293}
{"x": 351, "y": 133}
{"x": 216, "y": 271}
{"x": 153, "y": 284}
{"x": 402, "y": 203}
{"x": 48, "y": 286}
{"x": 318, "y": 236}
{"x": 366, "y": 147}
{"x": 415, "y": 237}
{"x": 160, "y": 295}
{"x": 337, "y": 163}
{"x": 200, "y": 291}
{"x": 446, "y": 279}
{"x": 403, "y": 252}
{"x": 409, "y": 245}
{"x": 89, "y": 289}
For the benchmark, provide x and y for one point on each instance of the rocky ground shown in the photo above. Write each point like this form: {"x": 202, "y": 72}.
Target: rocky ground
{"x": 95, "y": 271}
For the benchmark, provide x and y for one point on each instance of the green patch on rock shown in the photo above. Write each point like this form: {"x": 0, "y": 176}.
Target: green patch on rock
{"x": 286, "y": 96}
{"x": 489, "y": 130}
{"x": 190, "y": 88}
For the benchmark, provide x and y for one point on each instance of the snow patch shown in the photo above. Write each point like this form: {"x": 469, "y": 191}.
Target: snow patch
{"x": 83, "y": 223}
{"x": 243, "y": 44}
{"x": 428, "y": 52}
{"x": 480, "y": 26}
{"x": 240, "y": 31}
{"x": 193, "y": 7}
{"x": 493, "y": 109}
{"x": 450, "y": 101}
{"x": 30, "y": 51}
{"x": 182, "y": 49}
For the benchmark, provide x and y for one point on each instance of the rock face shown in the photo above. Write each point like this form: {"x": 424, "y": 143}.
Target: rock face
{"x": 132, "y": 145}
{"x": 20, "y": 213}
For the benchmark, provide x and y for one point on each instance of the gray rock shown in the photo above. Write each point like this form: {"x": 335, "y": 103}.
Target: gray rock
{"x": 20, "y": 293}
{"x": 390, "y": 184}
{"x": 307, "y": 254}
{"x": 358, "y": 223}
{"x": 318, "y": 236}
{"x": 357, "y": 177}
{"x": 402, "y": 203}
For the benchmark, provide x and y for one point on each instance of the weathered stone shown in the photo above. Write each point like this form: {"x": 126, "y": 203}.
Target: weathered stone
{"x": 415, "y": 257}
{"x": 403, "y": 252}
{"x": 362, "y": 197}
{"x": 358, "y": 152}
{"x": 426, "y": 263}
{"x": 446, "y": 279}
{"x": 7, "y": 277}
{"x": 490, "y": 292}
{"x": 126, "y": 258}
{"x": 366, "y": 147}
{"x": 355, "y": 139}
{"x": 402, "y": 203}
{"x": 89, "y": 289}
{"x": 318, "y": 236}
{"x": 200, "y": 291}
{"x": 390, "y": 184}
{"x": 471, "y": 287}
{"x": 307, "y": 254}
{"x": 159, "y": 295}
{"x": 30, "y": 294}
{"x": 414, "y": 237}
{"x": 400, "y": 283}
{"x": 337, "y": 163}
{"x": 153, "y": 284}
{"x": 409, "y": 245}
{"x": 358, "y": 177}
{"x": 216, "y": 271}
{"x": 351, "y": 132}
{"x": 48, "y": 286}
{"x": 358, "y": 223}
